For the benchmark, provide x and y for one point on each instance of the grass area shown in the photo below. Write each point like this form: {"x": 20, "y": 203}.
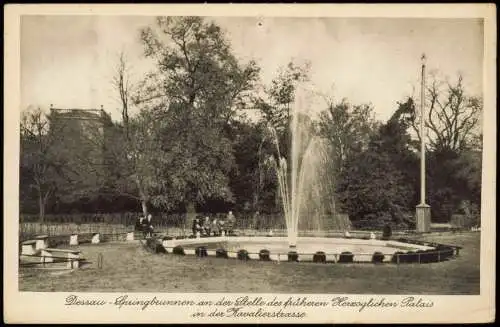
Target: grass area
{"x": 128, "y": 267}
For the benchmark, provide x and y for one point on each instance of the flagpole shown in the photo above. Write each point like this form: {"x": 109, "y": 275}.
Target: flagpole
{"x": 422, "y": 133}
{"x": 423, "y": 210}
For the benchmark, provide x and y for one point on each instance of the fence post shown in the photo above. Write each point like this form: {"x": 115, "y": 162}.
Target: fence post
{"x": 100, "y": 260}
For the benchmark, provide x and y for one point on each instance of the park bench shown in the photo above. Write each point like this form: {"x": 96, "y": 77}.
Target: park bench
{"x": 130, "y": 236}
{"x": 41, "y": 241}
{"x": 73, "y": 239}
{"x": 139, "y": 235}
{"x": 49, "y": 255}
{"x": 28, "y": 247}
{"x": 96, "y": 238}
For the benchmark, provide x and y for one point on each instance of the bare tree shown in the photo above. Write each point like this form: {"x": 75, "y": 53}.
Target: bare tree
{"x": 121, "y": 83}
{"x": 135, "y": 149}
{"x": 452, "y": 118}
{"x": 37, "y": 156}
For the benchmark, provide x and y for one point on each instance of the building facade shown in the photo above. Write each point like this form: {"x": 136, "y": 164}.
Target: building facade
{"x": 82, "y": 138}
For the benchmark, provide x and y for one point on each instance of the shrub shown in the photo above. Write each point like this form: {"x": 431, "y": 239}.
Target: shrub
{"x": 201, "y": 251}
{"x": 346, "y": 257}
{"x": 221, "y": 253}
{"x": 293, "y": 256}
{"x": 243, "y": 255}
{"x": 178, "y": 250}
{"x": 155, "y": 245}
{"x": 264, "y": 255}
{"x": 319, "y": 256}
{"x": 378, "y": 257}
{"x": 387, "y": 232}
{"x": 151, "y": 242}
{"x": 160, "y": 249}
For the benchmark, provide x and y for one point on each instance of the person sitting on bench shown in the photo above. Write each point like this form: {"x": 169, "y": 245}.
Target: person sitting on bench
{"x": 206, "y": 226}
{"x": 215, "y": 227}
{"x": 196, "y": 225}
{"x": 222, "y": 227}
{"x": 230, "y": 221}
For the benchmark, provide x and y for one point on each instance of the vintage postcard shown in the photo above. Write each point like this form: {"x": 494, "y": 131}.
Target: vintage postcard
{"x": 249, "y": 163}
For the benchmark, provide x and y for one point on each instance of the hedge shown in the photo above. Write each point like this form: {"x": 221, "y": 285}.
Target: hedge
{"x": 178, "y": 250}
{"x": 201, "y": 251}
{"x": 221, "y": 253}
{"x": 264, "y": 255}
{"x": 243, "y": 255}
{"x": 346, "y": 257}
{"x": 319, "y": 256}
{"x": 378, "y": 257}
{"x": 293, "y": 256}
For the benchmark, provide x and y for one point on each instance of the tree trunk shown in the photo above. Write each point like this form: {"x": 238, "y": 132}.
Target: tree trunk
{"x": 190, "y": 214}
{"x": 41, "y": 204}
{"x": 144, "y": 205}
{"x": 255, "y": 202}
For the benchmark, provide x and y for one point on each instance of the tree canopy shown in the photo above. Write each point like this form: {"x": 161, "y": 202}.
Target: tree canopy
{"x": 181, "y": 141}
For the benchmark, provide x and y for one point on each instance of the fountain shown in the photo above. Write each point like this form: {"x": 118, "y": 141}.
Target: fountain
{"x": 306, "y": 190}
{"x": 304, "y": 184}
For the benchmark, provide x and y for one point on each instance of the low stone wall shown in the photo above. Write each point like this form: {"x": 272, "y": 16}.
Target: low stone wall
{"x": 421, "y": 251}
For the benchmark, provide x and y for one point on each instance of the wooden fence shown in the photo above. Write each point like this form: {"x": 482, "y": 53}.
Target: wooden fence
{"x": 120, "y": 222}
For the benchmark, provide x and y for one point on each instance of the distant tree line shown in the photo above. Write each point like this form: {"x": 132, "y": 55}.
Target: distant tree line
{"x": 189, "y": 148}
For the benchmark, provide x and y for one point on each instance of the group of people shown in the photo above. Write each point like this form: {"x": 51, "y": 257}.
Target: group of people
{"x": 213, "y": 227}
{"x": 203, "y": 226}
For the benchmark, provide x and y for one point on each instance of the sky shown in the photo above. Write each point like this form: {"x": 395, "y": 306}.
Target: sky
{"x": 69, "y": 61}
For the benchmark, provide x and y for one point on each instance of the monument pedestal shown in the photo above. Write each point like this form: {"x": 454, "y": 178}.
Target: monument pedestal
{"x": 423, "y": 213}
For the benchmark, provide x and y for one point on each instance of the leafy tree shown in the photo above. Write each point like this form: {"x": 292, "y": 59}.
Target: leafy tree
{"x": 195, "y": 91}
{"x": 275, "y": 103}
{"x": 244, "y": 177}
{"x": 137, "y": 161}
{"x": 452, "y": 179}
{"x": 277, "y": 99}
{"x": 468, "y": 168}
{"x": 375, "y": 186}
{"x": 348, "y": 129}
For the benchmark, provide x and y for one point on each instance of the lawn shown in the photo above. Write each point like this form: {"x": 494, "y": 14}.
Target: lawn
{"x": 129, "y": 267}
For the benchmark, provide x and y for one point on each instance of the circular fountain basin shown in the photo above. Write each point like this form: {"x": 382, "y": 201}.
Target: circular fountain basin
{"x": 306, "y": 247}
